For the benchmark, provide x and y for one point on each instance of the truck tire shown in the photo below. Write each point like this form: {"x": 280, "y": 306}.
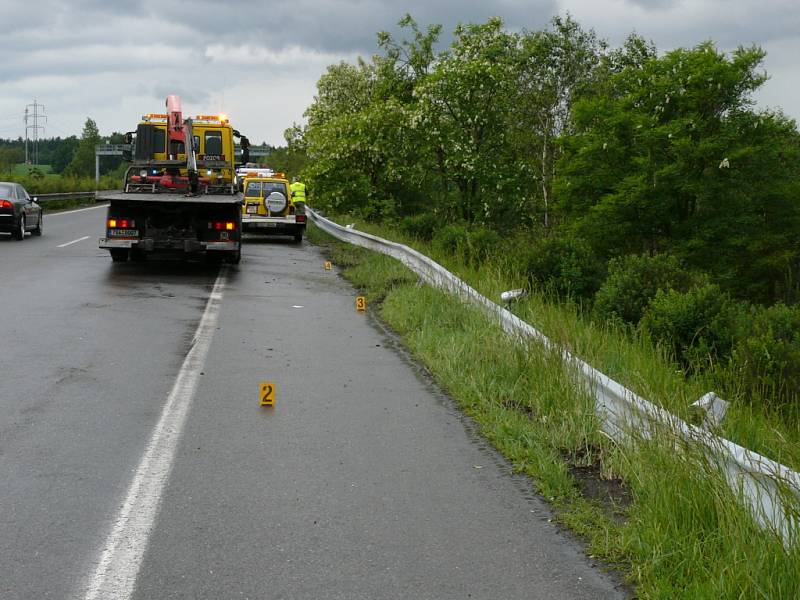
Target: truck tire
{"x": 234, "y": 258}
{"x": 213, "y": 258}
{"x": 119, "y": 254}
{"x": 298, "y": 237}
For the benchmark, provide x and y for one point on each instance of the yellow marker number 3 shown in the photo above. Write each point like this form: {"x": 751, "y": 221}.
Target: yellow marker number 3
{"x": 361, "y": 304}
{"x": 266, "y": 393}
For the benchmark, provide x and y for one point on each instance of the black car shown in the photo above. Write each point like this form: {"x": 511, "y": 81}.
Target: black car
{"x": 18, "y": 211}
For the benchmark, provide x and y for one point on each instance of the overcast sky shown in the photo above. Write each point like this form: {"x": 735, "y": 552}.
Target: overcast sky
{"x": 258, "y": 62}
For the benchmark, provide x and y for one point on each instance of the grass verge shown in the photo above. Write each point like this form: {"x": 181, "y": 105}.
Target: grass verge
{"x": 666, "y": 517}
{"x": 629, "y": 358}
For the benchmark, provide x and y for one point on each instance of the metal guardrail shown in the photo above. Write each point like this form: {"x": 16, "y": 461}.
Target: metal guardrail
{"x": 63, "y": 196}
{"x": 770, "y": 489}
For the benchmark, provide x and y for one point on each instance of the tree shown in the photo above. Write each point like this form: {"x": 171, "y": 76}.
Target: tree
{"x": 10, "y": 156}
{"x": 462, "y": 106}
{"x": 83, "y": 161}
{"x": 363, "y": 150}
{"x": 64, "y": 153}
{"x": 670, "y": 156}
{"x": 556, "y": 66}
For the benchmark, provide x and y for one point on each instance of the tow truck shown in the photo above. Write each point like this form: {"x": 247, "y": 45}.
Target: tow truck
{"x": 180, "y": 194}
{"x": 267, "y": 207}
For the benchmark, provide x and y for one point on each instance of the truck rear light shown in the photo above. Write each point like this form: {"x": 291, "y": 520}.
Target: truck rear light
{"x": 5, "y": 204}
{"x": 121, "y": 223}
{"x": 300, "y": 218}
{"x": 222, "y": 225}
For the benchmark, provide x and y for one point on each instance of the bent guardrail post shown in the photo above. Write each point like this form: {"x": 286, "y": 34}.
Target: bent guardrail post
{"x": 770, "y": 489}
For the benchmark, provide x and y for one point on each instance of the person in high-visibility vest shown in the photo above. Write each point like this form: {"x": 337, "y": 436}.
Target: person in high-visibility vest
{"x": 298, "y": 191}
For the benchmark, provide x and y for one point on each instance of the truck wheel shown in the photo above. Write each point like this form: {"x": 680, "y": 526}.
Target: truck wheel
{"x": 234, "y": 258}
{"x": 119, "y": 254}
{"x": 298, "y": 237}
{"x": 137, "y": 255}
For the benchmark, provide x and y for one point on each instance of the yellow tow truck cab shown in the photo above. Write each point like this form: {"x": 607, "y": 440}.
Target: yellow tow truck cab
{"x": 213, "y": 143}
{"x": 267, "y": 207}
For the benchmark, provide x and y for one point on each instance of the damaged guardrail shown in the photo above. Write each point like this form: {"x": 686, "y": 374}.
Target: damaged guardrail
{"x": 770, "y": 489}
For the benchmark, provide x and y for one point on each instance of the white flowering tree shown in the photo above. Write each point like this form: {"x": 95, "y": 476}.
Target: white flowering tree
{"x": 463, "y": 111}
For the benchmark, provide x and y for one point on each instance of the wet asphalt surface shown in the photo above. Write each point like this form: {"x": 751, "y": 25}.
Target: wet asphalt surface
{"x": 363, "y": 481}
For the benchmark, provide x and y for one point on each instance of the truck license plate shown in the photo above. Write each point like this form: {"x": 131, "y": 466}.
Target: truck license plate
{"x": 123, "y": 232}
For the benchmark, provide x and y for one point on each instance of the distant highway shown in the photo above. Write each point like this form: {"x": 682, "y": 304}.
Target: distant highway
{"x": 136, "y": 462}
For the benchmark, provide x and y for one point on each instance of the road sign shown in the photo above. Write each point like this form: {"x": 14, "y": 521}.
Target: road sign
{"x": 266, "y": 393}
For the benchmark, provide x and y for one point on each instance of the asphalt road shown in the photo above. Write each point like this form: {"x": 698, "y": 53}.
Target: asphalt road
{"x": 363, "y": 481}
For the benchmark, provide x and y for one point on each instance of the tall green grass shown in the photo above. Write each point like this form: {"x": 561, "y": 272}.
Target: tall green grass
{"x": 628, "y": 357}
{"x": 683, "y": 533}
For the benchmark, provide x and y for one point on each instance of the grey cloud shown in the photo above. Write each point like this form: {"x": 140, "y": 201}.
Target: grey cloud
{"x": 113, "y": 60}
{"x": 655, "y": 4}
{"x": 189, "y": 94}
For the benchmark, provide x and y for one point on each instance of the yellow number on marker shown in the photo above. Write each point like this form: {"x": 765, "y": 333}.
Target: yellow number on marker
{"x": 328, "y": 265}
{"x": 361, "y": 304}
{"x": 266, "y": 393}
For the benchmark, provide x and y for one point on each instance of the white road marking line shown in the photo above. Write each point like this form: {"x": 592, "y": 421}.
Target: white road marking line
{"x": 77, "y": 210}
{"x": 122, "y": 554}
{"x": 86, "y": 237}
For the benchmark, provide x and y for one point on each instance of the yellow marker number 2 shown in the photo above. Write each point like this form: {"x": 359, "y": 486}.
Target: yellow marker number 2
{"x": 361, "y": 304}
{"x": 266, "y": 393}
{"x": 328, "y": 265}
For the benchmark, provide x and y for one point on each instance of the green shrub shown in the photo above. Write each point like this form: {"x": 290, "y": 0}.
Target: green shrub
{"x": 377, "y": 210}
{"x": 766, "y": 363}
{"x": 564, "y": 265}
{"x": 421, "y": 226}
{"x": 633, "y": 281}
{"x": 700, "y": 326}
{"x": 481, "y": 244}
{"x": 452, "y": 240}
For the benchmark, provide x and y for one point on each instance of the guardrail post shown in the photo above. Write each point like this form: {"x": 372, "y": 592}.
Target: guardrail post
{"x": 97, "y": 168}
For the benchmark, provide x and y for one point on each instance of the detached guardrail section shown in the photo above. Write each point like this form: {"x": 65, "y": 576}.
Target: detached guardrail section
{"x": 770, "y": 489}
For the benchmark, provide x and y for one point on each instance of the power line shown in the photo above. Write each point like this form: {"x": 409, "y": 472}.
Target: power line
{"x": 36, "y": 117}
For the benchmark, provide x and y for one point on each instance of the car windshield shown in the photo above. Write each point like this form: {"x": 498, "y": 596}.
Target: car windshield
{"x": 6, "y": 191}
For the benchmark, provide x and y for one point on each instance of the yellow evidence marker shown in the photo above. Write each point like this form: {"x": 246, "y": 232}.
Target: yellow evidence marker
{"x": 266, "y": 393}
{"x": 361, "y": 304}
{"x": 328, "y": 265}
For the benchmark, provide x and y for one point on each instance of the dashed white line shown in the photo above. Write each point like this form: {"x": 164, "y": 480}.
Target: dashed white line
{"x": 122, "y": 554}
{"x": 86, "y": 237}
